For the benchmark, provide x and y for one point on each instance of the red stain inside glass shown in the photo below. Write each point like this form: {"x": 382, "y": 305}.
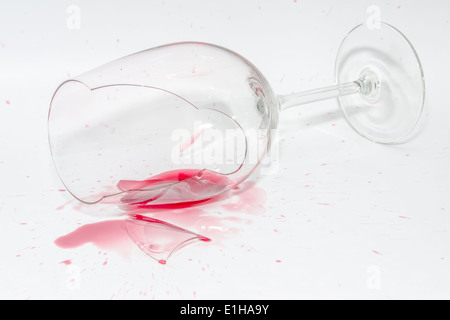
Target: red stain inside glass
{"x": 172, "y": 187}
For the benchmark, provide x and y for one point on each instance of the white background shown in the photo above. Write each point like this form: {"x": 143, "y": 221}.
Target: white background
{"x": 374, "y": 222}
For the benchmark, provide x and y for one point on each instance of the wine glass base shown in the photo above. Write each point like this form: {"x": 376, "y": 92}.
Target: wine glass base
{"x": 391, "y": 99}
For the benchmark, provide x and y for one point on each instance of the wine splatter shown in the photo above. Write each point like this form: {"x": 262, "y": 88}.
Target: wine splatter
{"x": 61, "y": 207}
{"x": 247, "y": 198}
{"x": 159, "y": 238}
{"x": 177, "y": 186}
{"x": 220, "y": 216}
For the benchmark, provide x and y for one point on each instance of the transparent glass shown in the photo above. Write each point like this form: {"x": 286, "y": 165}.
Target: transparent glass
{"x": 189, "y": 121}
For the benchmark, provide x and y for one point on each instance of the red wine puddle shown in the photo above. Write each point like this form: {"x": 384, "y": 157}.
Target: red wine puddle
{"x": 146, "y": 222}
{"x": 177, "y": 186}
{"x": 157, "y": 238}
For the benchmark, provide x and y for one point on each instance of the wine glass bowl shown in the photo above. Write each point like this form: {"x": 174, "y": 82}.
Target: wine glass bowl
{"x": 199, "y": 114}
{"x": 189, "y": 121}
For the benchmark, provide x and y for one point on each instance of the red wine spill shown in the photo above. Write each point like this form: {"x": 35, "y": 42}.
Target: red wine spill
{"x": 168, "y": 188}
{"x": 61, "y": 207}
{"x": 177, "y": 186}
{"x": 106, "y": 235}
{"x": 246, "y": 198}
{"x": 158, "y": 238}
{"x": 218, "y": 217}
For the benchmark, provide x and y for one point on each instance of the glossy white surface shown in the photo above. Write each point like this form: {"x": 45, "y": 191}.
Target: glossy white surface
{"x": 343, "y": 217}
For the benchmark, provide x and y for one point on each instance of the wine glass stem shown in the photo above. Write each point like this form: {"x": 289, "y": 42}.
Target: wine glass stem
{"x": 295, "y": 99}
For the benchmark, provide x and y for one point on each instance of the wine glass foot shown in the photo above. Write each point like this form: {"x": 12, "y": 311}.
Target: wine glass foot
{"x": 386, "y": 66}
